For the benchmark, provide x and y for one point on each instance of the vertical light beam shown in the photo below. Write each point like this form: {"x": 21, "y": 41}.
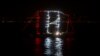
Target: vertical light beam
{"x": 58, "y": 46}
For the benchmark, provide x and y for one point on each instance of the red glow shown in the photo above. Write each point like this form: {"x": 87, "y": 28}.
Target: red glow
{"x": 37, "y": 16}
{"x": 38, "y": 41}
{"x": 38, "y": 33}
{"x": 38, "y": 49}
{"x": 69, "y": 35}
{"x": 37, "y": 26}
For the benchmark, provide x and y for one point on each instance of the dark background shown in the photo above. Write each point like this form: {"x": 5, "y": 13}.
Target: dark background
{"x": 87, "y": 34}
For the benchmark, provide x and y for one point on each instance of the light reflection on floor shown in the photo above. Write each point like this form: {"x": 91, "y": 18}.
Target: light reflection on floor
{"x": 53, "y": 47}
{"x": 48, "y": 45}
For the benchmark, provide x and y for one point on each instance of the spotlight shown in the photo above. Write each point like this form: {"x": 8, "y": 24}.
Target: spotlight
{"x": 57, "y": 33}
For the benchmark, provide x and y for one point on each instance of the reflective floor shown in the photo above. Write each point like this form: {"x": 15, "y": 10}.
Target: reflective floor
{"x": 50, "y": 47}
{"x": 53, "y": 47}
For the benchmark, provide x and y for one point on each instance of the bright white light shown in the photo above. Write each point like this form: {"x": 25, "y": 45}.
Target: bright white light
{"x": 58, "y": 47}
{"x": 58, "y": 43}
{"x": 48, "y": 52}
{"x": 55, "y": 22}
{"x": 57, "y": 33}
{"x": 53, "y": 44}
{"x": 48, "y": 42}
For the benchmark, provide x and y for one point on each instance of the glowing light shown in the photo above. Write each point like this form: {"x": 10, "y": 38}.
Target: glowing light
{"x": 58, "y": 47}
{"x": 56, "y": 43}
{"x": 48, "y": 42}
{"x": 38, "y": 41}
{"x": 59, "y": 53}
{"x": 57, "y": 33}
{"x": 48, "y": 52}
{"x": 55, "y": 22}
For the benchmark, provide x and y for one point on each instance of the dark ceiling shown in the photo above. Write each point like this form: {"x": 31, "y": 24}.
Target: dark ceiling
{"x": 26, "y": 8}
